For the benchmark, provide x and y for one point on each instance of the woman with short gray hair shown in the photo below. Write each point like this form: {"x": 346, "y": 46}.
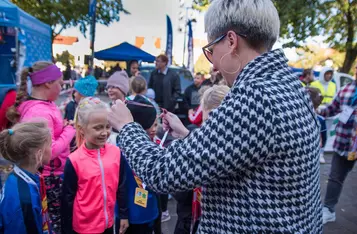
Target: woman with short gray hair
{"x": 257, "y": 155}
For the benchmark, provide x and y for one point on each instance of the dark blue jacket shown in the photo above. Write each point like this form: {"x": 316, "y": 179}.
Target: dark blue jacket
{"x": 138, "y": 214}
{"x": 20, "y": 206}
{"x": 70, "y": 110}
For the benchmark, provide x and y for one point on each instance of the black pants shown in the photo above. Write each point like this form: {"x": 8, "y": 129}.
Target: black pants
{"x": 184, "y": 212}
{"x": 340, "y": 167}
{"x": 164, "y": 200}
{"x": 140, "y": 229}
{"x": 157, "y": 224}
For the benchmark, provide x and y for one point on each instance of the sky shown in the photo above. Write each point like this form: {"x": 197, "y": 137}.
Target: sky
{"x": 148, "y": 20}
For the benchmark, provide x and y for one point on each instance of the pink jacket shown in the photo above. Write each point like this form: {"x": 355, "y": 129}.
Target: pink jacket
{"x": 97, "y": 185}
{"x": 61, "y": 136}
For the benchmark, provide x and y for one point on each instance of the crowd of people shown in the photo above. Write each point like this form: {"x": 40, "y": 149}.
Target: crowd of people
{"x": 248, "y": 163}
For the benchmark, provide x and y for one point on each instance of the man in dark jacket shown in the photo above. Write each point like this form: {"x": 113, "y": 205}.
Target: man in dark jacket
{"x": 166, "y": 84}
{"x": 192, "y": 97}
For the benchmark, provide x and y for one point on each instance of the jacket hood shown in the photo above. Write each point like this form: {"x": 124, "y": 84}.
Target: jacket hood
{"x": 323, "y": 71}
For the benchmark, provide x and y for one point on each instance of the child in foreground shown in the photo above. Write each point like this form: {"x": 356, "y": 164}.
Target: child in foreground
{"x": 23, "y": 201}
{"x": 142, "y": 216}
{"x": 94, "y": 175}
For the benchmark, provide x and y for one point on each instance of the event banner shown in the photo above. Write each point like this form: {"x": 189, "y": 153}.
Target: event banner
{"x": 190, "y": 47}
{"x": 169, "y": 39}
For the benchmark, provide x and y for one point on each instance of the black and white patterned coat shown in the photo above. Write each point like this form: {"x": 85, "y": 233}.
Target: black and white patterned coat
{"x": 257, "y": 156}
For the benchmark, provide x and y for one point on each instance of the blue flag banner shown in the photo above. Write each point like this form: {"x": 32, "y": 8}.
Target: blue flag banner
{"x": 190, "y": 48}
{"x": 92, "y": 7}
{"x": 169, "y": 39}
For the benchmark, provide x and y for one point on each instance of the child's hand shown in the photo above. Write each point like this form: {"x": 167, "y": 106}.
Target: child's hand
{"x": 124, "y": 224}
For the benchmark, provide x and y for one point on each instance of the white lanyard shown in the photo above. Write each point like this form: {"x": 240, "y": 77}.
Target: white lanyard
{"x": 25, "y": 177}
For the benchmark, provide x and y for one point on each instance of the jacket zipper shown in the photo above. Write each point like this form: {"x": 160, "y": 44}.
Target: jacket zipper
{"x": 104, "y": 190}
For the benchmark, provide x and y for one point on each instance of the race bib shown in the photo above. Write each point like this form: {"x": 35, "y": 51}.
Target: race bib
{"x": 141, "y": 197}
{"x": 346, "y": 114}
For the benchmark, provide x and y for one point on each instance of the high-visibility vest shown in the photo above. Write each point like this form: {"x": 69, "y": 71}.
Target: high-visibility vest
{"x": 327, "y": 95}
{"x": 303, "y": 84}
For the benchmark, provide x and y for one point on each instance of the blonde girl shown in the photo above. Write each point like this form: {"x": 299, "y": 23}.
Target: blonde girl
{"x": 94, "y": 177}
{"x": 23, "y": 202}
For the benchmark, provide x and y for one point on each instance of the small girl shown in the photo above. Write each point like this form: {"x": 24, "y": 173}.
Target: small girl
{"x": 47, "y": 81}
{"x": 94, "y": 176}
{"x": 316, "y": 99}
{"x": 23, "y": 202}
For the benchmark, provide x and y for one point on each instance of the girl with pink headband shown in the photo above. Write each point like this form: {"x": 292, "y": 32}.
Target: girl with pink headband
{"x": 46, "y": 81}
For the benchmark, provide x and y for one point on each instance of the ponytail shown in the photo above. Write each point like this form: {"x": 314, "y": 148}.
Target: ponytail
{"x": 12, "y": 114}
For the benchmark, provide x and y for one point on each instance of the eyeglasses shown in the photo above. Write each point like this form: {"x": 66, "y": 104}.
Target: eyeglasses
{"x": 208, "y": 49}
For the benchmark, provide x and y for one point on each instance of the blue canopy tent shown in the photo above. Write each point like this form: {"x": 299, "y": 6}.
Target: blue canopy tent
{"x": 25, "y": 41}
{"x": 124, "y": 52}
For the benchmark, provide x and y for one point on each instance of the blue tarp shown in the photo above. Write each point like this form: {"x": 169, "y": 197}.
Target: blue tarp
{"x": 34, "y": 36}
{"x": 124, "y": 52}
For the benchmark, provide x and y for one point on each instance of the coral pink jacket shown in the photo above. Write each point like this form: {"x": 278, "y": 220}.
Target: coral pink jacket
{"x": 61, "y": 136}
{"x": 97, "y": 185}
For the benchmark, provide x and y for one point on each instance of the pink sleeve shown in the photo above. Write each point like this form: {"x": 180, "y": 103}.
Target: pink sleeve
{"x": 60, "y": 144}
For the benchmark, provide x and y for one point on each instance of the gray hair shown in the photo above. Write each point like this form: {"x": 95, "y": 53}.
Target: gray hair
{"x": 258, "y": 20}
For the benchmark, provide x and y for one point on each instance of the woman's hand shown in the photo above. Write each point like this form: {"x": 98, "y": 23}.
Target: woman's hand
{"x": 119, "y": 115}
{"x": 172, "y": 123}
{"x": 124, "y": 224}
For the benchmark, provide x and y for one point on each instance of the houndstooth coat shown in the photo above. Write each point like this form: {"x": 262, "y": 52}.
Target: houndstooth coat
{"x": 257, "y": 156}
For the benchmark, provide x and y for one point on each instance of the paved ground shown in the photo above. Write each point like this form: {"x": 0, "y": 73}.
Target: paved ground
{"x": 346, "y": 210}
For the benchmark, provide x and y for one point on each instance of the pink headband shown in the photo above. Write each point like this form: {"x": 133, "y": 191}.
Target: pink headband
{"x": 48, "y": 74}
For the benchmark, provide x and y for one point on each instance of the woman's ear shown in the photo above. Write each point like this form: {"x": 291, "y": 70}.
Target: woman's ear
{"x": 232, "y": 40}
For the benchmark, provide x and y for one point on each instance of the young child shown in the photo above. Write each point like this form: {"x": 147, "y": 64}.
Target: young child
{"x": 316, "y": 99}
{"x": 46, "y": 79}
{"x": 84, "y": 87}
{"x": 138, "y": 87}
{"x": 23, "y": 202}
{"x": 118, "y": 86}
{"x": 94, "y": 176}
{"x": 141, "y": 216}
{"x": 150, "y": 94}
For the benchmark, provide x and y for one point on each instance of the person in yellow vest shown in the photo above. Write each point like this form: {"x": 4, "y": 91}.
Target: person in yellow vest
{"x": 325, "y": 85}
{"x": 307, "y": 77}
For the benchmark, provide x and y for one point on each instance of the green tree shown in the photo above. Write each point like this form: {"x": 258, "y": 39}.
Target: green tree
{"x": 62, "y": 14}
{"x": 303, "y": 19}
{"x": 333, "y": 19}
{"x": 65, "y": 57}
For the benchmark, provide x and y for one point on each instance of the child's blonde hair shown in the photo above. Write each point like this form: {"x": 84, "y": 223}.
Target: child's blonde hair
{"x": 18, "y": 144}
{"x": 138, "y": 85}
{"x": 85, "y": 107}
{"x": 213, "y": 97}
{"x": 22, "y": 93}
